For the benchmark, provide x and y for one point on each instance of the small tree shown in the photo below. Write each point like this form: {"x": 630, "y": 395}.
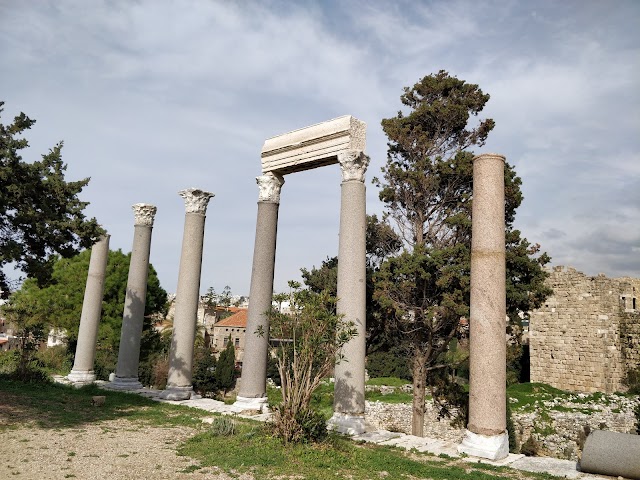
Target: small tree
{"x": 310, "y": 338}
{"x": 225, "y": 373}
{"x": 427, "y": 189}
{"x": 204, "y": 372}
{"x": 41, "y": 215}
{"x": 30, "y": 325}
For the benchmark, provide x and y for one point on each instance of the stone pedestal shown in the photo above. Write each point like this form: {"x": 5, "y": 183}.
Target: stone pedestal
{"x": 486, "y": 432}
{"x": 179, "y": 386}
{"x": 349, "y": 373}
{"x": 132, "y": 319}
{"x": 253, "y": 384}
{"x": 82, "y": 371}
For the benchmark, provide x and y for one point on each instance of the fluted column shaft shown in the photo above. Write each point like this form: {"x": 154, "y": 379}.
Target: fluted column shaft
{"x": 179, "y": 383}
{"x": 486, "y": 431}
{"x": 253, "y": 384}
{"x": 82, "y": 371}
{"x": 349, "y": 373}
{"x": 135, "y": 300}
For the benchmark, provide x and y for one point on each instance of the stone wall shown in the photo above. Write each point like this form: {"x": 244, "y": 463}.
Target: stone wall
{"x": 559, "y": 427}
{"x": 587, "y": 335}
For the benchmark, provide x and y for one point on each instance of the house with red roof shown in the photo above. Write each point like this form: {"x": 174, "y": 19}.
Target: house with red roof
{"x": 231, "y": 329}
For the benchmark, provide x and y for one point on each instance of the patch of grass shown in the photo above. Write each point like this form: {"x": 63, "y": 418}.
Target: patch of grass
{"x": 388, "y": 381}
{"x": 60, "y": 407}
{"x": 253, "y": 450}
{"x": 528, "y": 394}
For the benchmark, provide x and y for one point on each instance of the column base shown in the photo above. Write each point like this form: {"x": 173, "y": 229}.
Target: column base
{"x": 243, "y": 404}
{"x": 125, "y": 383}
{"x": 494, "y": 447}
{"x": 83, "y": 377}
{"x": 347, "y": 424}
{"x": 177, "y": 393}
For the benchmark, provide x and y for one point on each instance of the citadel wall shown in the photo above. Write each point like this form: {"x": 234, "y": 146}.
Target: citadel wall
{"x": 587, "y": 334}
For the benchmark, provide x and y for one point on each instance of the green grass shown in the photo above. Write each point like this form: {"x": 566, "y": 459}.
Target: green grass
{"x": 395, "y": 397}
{"x": 388, "y": 381}
{"x": 253, "y": 450}
{"x": 53, "y": 405}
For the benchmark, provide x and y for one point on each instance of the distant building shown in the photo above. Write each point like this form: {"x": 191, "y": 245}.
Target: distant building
{"x": 231, "y": 329}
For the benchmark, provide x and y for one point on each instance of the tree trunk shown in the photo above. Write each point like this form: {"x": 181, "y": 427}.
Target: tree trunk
{"x": 419, "y": 379}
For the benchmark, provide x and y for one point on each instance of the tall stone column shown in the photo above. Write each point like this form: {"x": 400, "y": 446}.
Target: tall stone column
{"x": 82, "y": 371}
{"x": 348, "y": 403}
{"x": 126, "y": 377}
{"x": 486, "y": 434}
{"x": 179, "y": 386}
{"x": 253, "y": 384}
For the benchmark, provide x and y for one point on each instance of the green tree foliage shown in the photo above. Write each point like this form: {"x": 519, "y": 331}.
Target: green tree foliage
{"x": 59, "y": 305}
{"x": 204, "y": 372}
{"x": 31, "y": 333}
{"x": 225, "y": 372}
{"x": 427, "y": 191}
{"x": 40, "y": 212}
{"x": 312, "y": 338}
{"x": 381, "y": 242}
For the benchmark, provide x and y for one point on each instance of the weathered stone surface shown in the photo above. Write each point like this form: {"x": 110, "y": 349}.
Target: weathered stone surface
{"x": 487, "y": 347}
{"x": 314, "y": 146}
{"x": 348, "y": 403}
{"x": 612, "y": 453}
{"x": 587, "y": 335}
{"x": 82, "y": 371}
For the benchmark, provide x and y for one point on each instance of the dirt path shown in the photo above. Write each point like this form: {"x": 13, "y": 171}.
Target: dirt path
{"x": 115, "y": 449}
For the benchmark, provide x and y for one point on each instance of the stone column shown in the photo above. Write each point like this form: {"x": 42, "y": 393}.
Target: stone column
{"x": 486, "y": 434}
{"x": 126, "y": 377}
{"x": 179, "y": 386}
{"x": 253, "y": 384}
{"x": 348, "y": 403}
{"x": 82, "y": 371}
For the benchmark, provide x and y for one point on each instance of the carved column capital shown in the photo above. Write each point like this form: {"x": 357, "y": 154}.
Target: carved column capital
{"x": 196, "y": 200}
{"x": 144, "y": 214}
{"x": 353, "y": 164}
{"x": 269, "y": 185}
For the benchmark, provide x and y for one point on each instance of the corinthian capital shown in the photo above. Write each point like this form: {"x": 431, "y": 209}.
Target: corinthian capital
{"x": 353, "y": 164}
{"x": 269, "y": 185}
{"x": 144, "y": 214}
{"x": 196, "y": 200}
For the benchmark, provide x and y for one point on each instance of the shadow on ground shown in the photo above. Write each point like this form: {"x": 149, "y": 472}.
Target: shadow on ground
{"x": 60, "y": 406}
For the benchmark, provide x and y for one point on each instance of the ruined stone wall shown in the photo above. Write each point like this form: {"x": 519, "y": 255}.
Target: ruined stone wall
{"x": 587, "y": 334}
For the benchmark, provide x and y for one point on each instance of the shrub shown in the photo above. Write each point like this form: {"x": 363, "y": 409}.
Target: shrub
{"x": 393, "y": 363}
{"x": 55, "y": 359}
{"x": 225, "y": 369}
{"x": 303, "y": 426}
{"x": 317, "y": 335}
{"x": 223, "y": 426}
{"x": 9, "y": 362}
{"x": 204, "y": 368}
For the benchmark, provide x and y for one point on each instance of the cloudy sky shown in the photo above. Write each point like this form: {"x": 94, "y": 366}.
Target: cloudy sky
{"x": 154, "y": 96}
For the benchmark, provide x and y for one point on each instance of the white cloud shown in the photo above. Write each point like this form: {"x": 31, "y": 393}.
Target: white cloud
{"x": 152, "y": 97}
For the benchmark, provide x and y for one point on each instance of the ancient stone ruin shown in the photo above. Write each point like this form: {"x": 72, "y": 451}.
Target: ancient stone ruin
{"x": 338, "y": 141}
{"x": 586, "y": 337}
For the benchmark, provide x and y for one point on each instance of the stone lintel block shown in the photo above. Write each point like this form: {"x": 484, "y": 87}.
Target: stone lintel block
{"x": 314, "y": 146}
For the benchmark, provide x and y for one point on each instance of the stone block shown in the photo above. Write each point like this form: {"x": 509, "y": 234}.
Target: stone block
{"x": 314, "y": 146}
{"x": 612, "y": 453}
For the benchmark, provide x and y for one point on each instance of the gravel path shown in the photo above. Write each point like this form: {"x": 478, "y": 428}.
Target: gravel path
{"x": 115, "y": 449}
